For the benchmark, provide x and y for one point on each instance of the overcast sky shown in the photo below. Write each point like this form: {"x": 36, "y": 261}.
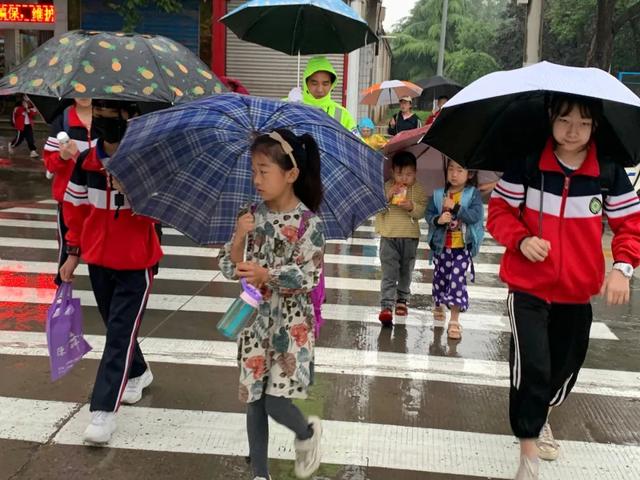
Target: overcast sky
{"x": 396, "y": 10}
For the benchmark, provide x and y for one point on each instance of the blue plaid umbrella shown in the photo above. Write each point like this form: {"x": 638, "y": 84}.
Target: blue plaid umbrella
{"x": 190, "y": 166}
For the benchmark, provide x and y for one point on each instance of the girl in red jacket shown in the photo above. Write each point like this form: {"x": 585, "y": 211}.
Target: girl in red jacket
{"x": 554, "y": 264}
{"x": 60, "y": 159}
{"x": 22, "y": 119}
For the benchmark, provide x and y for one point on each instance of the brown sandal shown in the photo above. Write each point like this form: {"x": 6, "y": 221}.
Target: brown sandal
{"x": 401, "y": 309}
{"x": 439, "y": 314}
{"x": 454, "y": 332}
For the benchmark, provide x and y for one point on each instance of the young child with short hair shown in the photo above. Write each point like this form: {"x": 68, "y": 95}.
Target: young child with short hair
{"x": 400, "y": 232}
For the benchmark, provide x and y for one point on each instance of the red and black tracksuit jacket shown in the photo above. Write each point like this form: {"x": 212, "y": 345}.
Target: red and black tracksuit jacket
{"x": 548, "y": 304}
{"x": 18, "y": 116}
{"x": 571, "y": 222}
{"x": 121, "y": 242}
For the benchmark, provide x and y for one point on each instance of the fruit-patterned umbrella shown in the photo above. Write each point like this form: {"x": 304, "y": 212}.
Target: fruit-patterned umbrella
{"x": 117, "y": 66}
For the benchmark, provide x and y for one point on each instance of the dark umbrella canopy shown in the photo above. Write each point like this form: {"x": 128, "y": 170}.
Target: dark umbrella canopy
{"x": 503, "y": 116}
{"x": 435, "y": 87}
{"x": 50, "y": 107}
{"x": 300, "y": 26}
{"x": 105, "y": 65}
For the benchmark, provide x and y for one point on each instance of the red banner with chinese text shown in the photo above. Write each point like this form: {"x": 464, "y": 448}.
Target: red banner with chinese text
{"x": 27, "y": 13}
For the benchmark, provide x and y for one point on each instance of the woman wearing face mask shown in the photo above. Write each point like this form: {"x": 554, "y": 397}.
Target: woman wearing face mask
{"x": 121, "y": 250}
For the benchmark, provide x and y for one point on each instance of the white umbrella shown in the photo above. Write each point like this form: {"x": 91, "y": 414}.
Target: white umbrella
{"x": 503, "y": 115}
{"x": 547, "y": 76}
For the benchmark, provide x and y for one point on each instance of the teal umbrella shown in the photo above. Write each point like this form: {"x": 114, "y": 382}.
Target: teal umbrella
{"x": 300, "y": 26}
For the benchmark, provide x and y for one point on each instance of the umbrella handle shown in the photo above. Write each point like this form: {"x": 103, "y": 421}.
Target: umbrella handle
{"x": 246, "y": 247}
{"x": 298, "y": 76}
{"x": 541, "y": 212}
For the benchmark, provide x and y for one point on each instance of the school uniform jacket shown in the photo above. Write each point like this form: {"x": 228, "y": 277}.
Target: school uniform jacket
{"x": 18, "y": 115}
{"x": 123, "y": 242}
{"x": 572, "y": 223}
{"x": 62, "y": 169}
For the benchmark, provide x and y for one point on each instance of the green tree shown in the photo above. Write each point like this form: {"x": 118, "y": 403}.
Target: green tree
{"x": 508, "y": 42}
{"x": 129, "y": 10}
{"x": 417, "y": 41}
{"x": 471, "y": 30}
{"x": 611, "y": 17}
{"x": 467, "y": 65}
{"x": 602, "y": 33}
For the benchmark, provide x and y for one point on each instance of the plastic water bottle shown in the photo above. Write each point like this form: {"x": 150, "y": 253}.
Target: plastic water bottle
{"x": 241, "y": 311}
{"x": 63, "y": 137}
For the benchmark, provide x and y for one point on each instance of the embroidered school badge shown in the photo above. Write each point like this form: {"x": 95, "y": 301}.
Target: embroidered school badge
{"x": 595, "y": 205}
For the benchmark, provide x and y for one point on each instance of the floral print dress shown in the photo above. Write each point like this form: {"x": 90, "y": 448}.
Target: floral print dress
{"x": 276, "y": 352}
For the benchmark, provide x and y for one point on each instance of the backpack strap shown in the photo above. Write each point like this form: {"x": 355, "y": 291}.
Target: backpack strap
{"x": 607, "y": 175}
{"x": 467, "y": 196}
{"x": 438, "y": 197}
{"x": 304, "y": 222}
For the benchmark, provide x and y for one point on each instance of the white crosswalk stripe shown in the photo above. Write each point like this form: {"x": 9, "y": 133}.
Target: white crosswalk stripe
{"x": 380, "y": 445}
{"x": 342, "y": 361}
{"x": 353, "y": 286}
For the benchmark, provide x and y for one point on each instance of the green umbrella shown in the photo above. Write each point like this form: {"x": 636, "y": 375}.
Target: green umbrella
{"x": 117, "y": 66}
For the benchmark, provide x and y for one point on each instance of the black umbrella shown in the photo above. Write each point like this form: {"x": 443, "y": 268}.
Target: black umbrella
{"x": 435, "y": 87}
{"x": 300, "y": 26}
{"x": 116, "y": 66}
{"x": 503, "y": 116}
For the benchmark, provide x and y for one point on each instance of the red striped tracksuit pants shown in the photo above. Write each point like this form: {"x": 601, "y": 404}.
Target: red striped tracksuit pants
{"x": 121, "y": 296}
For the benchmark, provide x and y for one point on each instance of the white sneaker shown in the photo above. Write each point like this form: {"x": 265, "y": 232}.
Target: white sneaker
{"x": 547, "y": 445}
{"x": 9, "y": 148}
{"x": 528, "y": 469}
{"x": 102, "y": 426}
{"x": 308, "y": 451}
{"x": 133, "y": 391}
{"x": 34, "y": 154}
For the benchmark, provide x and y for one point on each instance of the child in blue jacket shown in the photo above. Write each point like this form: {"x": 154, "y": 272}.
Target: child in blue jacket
{"x": 455, "y": 218}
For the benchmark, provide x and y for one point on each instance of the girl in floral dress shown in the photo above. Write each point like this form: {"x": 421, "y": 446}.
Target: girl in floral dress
{"x": 284, "y": 245}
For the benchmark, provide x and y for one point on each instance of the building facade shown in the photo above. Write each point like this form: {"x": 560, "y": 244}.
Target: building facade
{"x": 264, "y": 72}
{"x": 269, "y": 73}
{"x": 26, "y": 25}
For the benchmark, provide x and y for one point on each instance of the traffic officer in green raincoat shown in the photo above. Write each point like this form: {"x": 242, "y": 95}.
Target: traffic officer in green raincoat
{"x": 320, "y": 79}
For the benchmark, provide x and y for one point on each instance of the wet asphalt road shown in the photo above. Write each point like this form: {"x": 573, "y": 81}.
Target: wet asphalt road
{"x": 402, "y": 403}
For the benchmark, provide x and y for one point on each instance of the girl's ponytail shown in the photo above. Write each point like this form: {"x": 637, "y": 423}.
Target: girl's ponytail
{"x": 308, "y": 186}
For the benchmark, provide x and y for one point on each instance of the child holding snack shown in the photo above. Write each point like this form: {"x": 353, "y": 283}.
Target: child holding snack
{"x": 400, "y": 232}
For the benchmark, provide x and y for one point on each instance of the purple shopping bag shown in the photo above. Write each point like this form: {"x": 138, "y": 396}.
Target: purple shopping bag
{"x": 64, "y": 332}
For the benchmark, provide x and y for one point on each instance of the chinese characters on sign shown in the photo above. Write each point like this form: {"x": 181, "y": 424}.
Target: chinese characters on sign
{"x": 27, "y": 13}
